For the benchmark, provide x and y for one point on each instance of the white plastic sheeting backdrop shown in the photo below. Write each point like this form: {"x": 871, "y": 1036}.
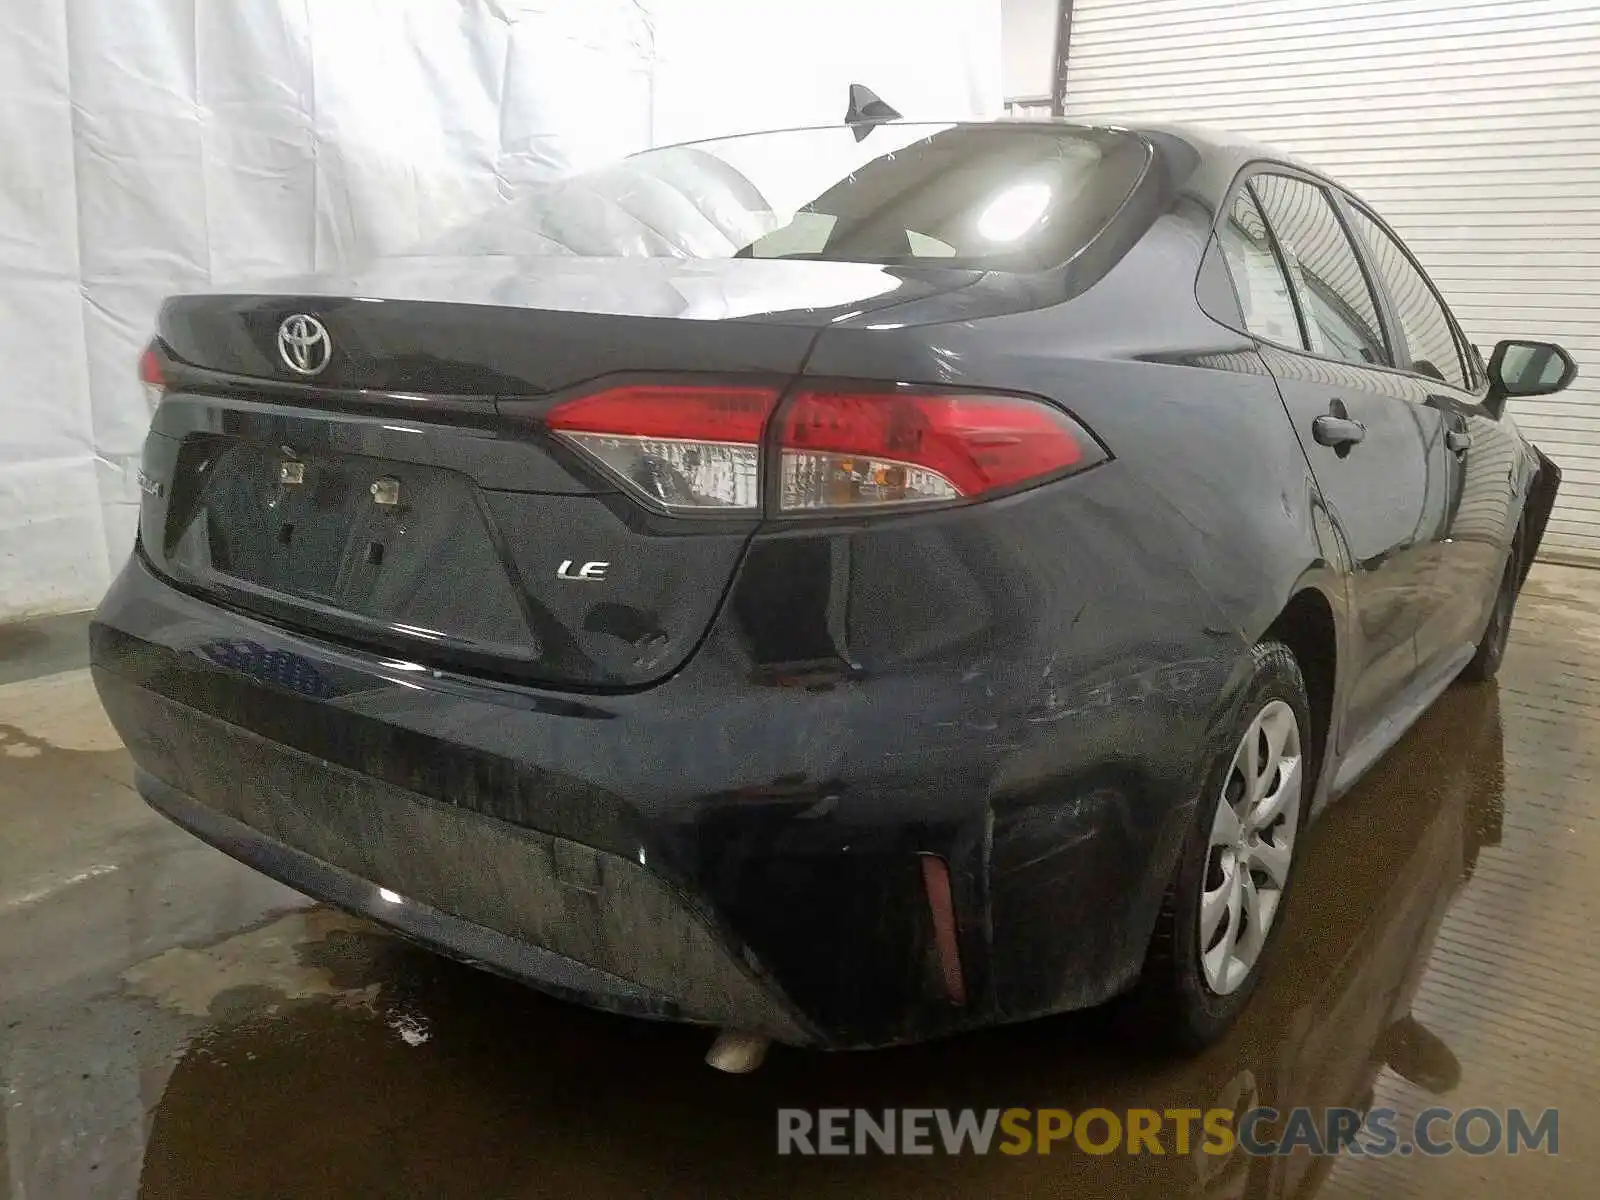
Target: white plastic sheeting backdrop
{"x": 153, "y": 146}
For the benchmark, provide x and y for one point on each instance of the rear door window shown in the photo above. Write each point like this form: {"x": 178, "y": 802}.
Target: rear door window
{"x": 1341, "y": 315}
{"x": 1429, "y": 332}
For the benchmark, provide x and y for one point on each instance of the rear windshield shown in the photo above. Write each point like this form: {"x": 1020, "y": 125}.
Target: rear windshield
{"x": 1018, "y": 197}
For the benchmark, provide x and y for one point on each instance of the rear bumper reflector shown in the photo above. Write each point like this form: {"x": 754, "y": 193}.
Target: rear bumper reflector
{"x": 936, "y": 882}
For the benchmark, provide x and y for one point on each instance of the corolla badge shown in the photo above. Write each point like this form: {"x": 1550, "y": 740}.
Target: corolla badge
{"x": 304, "y": 344}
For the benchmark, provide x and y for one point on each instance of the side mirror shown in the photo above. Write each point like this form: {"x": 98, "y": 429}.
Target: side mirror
{"x": 1518, "y": 369}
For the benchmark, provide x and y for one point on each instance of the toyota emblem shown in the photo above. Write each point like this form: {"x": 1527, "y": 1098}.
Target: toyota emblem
{"x": 304, "y": 344}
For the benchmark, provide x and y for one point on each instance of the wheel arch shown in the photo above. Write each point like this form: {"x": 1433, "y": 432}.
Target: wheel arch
{"x": 1308, "y": 626}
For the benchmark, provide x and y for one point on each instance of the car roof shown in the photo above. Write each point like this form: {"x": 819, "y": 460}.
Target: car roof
{"x": 1222, "y": 151}
{"x": 1224, "y": 147}
{"x": 1222, "y": 144}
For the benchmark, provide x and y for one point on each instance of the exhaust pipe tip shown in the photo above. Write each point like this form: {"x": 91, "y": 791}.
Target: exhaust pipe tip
{"x": 737, "y": 1053}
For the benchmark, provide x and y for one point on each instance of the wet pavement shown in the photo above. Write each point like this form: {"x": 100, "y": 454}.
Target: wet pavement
{"x": 174, "y": 1025}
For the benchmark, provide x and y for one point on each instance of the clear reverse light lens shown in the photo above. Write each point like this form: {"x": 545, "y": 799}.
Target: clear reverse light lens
{"x": 679, "y": 474}
{"x": 684, "y": 447}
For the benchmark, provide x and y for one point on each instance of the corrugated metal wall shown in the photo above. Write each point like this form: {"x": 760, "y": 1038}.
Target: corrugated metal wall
{"x": 1473, "y": 127}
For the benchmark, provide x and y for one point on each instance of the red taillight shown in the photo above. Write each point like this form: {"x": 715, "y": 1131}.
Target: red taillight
{"x": 150, "y": 368}
{"x": 681, "y": 412}
{"x": 151, "y": 376}
{"x": 698, "y": 447}
{"x": 685, "y": 447}
{"x": 850, "y": 449}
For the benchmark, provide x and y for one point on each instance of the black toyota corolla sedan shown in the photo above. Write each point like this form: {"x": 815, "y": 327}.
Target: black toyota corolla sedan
{"x": 841, "y": 586}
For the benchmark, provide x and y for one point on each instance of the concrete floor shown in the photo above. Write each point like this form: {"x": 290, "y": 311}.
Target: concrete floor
{"x": 172, "y": 1024}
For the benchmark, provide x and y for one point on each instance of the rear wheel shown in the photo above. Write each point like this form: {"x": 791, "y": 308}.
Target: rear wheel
{"x": 1226, "y": 899}
{"x": 1485, "y": 664}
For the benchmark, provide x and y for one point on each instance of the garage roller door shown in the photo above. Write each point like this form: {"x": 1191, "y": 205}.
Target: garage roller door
{"x": 1473, "y": 127}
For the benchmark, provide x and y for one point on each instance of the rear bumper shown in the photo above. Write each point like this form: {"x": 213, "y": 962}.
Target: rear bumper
{"x": 719, "y": 849}
{"x": 462, "y": 939}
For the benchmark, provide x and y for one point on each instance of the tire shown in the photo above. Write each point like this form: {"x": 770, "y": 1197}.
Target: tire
{"x": 1182, "y": 1000}
{"x": 1485, "y": 664}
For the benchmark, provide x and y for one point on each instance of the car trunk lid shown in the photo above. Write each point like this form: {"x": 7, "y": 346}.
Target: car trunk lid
{"x": 406, "y": 497}
{"x": 498, "y": 325}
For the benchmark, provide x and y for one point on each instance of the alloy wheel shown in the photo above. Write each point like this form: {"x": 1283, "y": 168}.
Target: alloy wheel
{"x": 1251, "y": 847}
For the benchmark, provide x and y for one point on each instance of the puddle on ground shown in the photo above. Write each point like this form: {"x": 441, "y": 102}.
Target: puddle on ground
{"x": 269, "y": 964}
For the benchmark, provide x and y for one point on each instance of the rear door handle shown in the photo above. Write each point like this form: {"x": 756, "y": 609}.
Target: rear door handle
{"x": 1338, "y": 432}
{"x": 1459, "y": 440}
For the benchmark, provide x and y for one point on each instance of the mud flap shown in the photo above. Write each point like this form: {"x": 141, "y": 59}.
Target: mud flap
{"x": 1536, "y": 509}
